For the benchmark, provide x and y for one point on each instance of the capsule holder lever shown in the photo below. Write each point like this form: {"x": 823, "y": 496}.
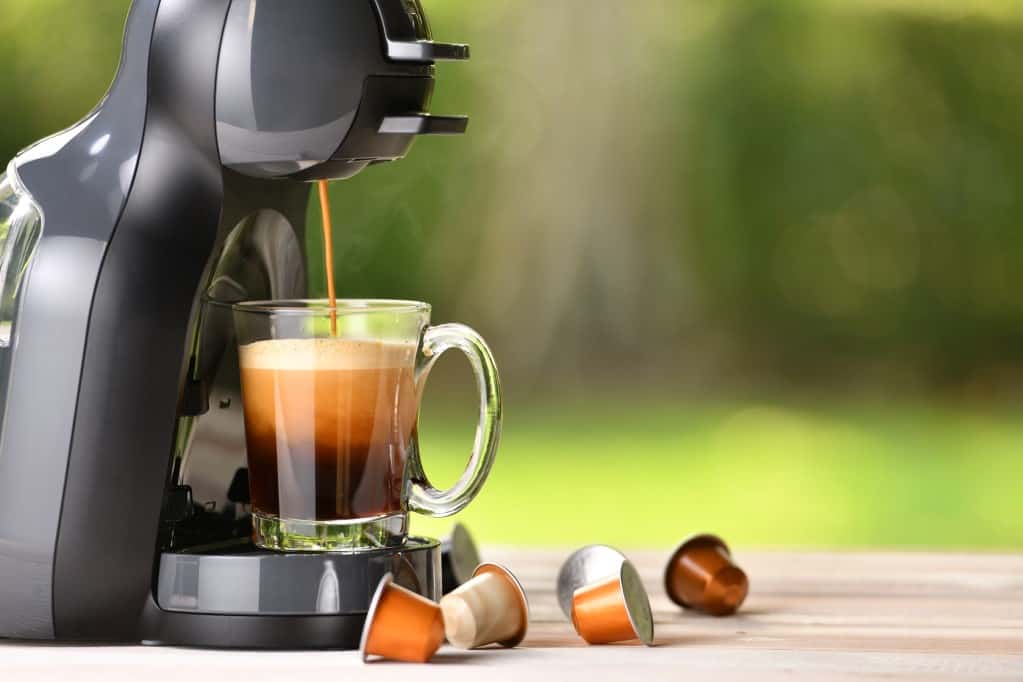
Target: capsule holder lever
{"x": 424, "y": 124}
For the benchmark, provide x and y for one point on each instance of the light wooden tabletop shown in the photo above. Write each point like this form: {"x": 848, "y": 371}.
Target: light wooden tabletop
{"x": 810, "y": 616}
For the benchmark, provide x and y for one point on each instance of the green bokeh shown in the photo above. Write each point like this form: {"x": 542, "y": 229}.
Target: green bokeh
{"x": 695, "y": 202}
{"x": 647, "y": 472}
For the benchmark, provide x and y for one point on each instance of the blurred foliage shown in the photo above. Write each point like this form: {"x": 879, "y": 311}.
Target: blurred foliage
{"x": 58, "y": 59}
{"x": 713, "y": 195}
{"x": 649, "y": 470}
{"x": 701, "y": 192}
{"x": 855, "y": 184}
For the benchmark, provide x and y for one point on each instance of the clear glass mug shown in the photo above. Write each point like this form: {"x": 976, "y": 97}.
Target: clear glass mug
{"x": 331, "y": 400}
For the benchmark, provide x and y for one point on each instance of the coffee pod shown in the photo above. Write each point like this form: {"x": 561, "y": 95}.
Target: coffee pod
{"x": 586, "y": 566}
{"x": 490, "y": 608}
{"x": 459, "y": 558}
{"x": 701, "y": 575}
{"x": 401, "y": 625}
{"x": 615, "y": 609}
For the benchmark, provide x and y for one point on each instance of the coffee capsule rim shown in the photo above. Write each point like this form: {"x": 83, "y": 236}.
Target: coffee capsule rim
{"x": 385, "y": 582}
{"x": 572, "y": 575}
{"x": 463, "y": 552}
{"x": 683, "y": 547}
{"x": 498, "y": 569}
{"x": 637, "y": 603}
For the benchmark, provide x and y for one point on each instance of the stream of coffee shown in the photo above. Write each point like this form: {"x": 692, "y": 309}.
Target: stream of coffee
{"x": 328, "y": 254}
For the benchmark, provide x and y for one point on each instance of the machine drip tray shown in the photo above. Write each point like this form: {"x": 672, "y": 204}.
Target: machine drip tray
{"x": 249, "y": 598}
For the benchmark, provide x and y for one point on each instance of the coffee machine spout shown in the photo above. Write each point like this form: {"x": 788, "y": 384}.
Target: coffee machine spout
{"x": 302, "y": 95}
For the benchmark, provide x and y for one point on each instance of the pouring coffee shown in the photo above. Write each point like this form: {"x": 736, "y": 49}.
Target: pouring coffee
{"x": 331, "y": 399}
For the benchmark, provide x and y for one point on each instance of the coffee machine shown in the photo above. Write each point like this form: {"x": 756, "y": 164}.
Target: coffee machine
{"x": 125, "y": 240}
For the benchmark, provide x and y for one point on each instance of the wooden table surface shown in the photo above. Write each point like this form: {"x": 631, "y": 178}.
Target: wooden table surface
{"x": 809, "y": 616}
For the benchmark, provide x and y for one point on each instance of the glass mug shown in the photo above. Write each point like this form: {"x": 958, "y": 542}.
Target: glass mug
{"x": 331, "y": 401}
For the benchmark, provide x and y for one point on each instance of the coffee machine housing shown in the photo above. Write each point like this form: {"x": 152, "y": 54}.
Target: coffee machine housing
{"x": 127, "y": 236}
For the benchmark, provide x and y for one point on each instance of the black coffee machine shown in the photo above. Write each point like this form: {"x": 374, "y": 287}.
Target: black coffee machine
{"x": 123, "y": 239}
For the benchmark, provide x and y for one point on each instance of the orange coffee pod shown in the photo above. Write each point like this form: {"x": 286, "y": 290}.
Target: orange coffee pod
{"x": 401, "y": 625}
{"x": 701, "y": 575}
{"x": 615, "y": 609}
{"x": 490, "y": 608}
{"x": 586, "y": 566}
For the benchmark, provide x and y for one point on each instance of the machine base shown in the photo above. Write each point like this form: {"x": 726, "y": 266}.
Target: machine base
{"x": 253, "y": 599}
{"x": 165, "y": 628}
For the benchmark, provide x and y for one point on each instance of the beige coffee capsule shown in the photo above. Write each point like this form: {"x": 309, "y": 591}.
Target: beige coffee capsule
{"x": 401, "y": 625}
{"x": 490, "y": 608}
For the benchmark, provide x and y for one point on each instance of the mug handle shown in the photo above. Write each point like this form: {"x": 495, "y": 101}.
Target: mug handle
{"x": 424, "y": 498}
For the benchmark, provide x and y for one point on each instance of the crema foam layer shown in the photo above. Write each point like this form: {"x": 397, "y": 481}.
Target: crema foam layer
{"x": 326, "y": 354}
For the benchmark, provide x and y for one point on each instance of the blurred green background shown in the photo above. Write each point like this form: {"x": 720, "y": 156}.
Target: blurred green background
{"x": 749, "y": 267}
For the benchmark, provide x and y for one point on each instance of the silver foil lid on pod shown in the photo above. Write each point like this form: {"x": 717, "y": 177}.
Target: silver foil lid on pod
{"x": 600, "y": 591}
{"x": 586, "y": 566}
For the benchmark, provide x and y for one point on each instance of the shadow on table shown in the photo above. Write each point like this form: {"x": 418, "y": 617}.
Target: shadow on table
{"x": 49, "y": 644}
{"x": 446, "y": 657}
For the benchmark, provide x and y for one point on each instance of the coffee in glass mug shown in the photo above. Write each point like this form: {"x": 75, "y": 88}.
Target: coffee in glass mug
{"x": 331, "y": 401}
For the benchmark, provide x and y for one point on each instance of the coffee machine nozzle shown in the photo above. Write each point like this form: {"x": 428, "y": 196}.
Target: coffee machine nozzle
{"x": 315, "y": 95}
{"x": 127, "y": 238}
